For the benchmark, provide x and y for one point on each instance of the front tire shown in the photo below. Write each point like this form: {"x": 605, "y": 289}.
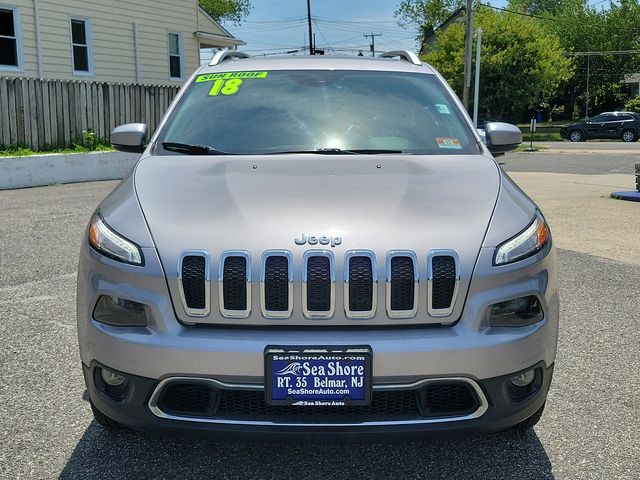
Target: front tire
{"x": 576, "y": 136}
{"x": 530, "y": 422}
{"x": 629, "y": 136}
{"x": 105, "y": 422}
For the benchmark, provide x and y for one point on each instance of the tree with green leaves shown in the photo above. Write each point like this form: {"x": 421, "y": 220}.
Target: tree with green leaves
{"x": 583, "y": 28}
{"x": 536, "y": 7}
{"x": 232, "y": 10}
{"x": 426, "y": 15}
{"x": 523, "y": 64}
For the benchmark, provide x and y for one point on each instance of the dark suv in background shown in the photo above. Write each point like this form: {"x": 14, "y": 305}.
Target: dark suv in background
{"x": 613, "y": 125}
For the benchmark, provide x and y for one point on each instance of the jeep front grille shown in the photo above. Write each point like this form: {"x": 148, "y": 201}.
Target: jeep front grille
{"x": 317, "y": 291}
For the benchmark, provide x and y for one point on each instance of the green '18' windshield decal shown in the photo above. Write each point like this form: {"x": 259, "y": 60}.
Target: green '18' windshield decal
{"x": 228, "y": 83}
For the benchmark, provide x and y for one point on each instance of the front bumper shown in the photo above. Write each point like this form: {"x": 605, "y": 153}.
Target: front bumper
{"x": 500, "y": 412}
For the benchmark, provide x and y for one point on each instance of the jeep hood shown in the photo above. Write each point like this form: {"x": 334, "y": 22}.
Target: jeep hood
{"x": 378, "y": 203}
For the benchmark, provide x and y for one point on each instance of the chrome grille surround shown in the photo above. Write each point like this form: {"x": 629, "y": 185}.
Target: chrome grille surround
{"x": 196, "y": 312}
{"x": 441, "y": 312}
{"x": 315, "y": 314}
{"x": 273, "y": 313}
{"x": 247, "y": 258}
{"x": 374, "y": 293}
{"x": 416, "y": 291}
{"x": 483, "y": 404}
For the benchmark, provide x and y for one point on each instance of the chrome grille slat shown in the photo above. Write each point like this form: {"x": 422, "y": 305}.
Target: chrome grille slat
{"x": 194, "y": 278}
{"x": 360, "y": 284}
{"x": 276, "y": 284}
{"x": 402, "y": 292}
{"x": 318, "y": 284}
{"x": 443, "y": 280}
{"x": 234, "y": 284}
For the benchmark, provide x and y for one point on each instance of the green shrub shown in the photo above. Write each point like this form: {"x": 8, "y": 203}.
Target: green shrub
{"x": 633, "y": 105}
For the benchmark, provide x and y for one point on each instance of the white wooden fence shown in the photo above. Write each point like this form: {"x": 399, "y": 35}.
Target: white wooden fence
{"x": 42, "y": 114}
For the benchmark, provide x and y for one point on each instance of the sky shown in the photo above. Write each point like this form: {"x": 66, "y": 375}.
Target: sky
{"x": 280, "y": 26}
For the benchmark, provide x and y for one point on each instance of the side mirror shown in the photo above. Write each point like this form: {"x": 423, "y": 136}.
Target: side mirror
{"x": 130, "y": 137}
{"x": 502, "y": 137}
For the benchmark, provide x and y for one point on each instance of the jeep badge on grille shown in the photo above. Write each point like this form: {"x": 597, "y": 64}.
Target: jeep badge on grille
{"x": 313, "y": 240}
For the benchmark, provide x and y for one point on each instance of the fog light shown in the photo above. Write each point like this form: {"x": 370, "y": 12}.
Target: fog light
{"x": 518, "y": 312}
{"x": 111, "y": 383}
{"x": 523, "y": 385}
{"x": 524, "y": 379}
{"x": 120, "y": 312}
{"x": 112, "y": 378}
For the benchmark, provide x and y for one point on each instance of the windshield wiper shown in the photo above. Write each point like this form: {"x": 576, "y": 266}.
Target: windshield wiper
{"x": 193, "y": 149}
{"x": 339, "y": 151}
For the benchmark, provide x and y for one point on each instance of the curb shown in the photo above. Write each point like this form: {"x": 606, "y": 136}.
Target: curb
{"x": 38, "y": 170}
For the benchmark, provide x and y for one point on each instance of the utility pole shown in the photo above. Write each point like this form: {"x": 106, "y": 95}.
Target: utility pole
{"x": 586, "y": 113}
{"x": 311, "y": 49}
{"x": 476, "y": 92}
{"x": 373, "y": 41}
{"x": 468, "y": 54}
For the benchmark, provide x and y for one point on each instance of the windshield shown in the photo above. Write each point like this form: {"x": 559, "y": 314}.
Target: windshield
{"x": 279, "y": 111}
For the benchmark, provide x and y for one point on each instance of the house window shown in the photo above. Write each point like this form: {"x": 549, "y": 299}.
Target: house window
{"x": 175, "y": 55}
{"x": 10, "y": 38}
{"x": 81, "y": 45}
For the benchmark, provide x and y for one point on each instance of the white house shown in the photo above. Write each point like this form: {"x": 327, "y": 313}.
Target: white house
{"x": 143, "y": 41}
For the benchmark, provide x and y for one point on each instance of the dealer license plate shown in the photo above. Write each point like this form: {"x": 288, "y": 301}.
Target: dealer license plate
{"x": 312, "y": 376}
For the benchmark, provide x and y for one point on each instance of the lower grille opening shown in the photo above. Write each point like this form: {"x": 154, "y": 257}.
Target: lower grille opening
{"x": 447, "y": 399}
{"x": 434, "y": 400}
{"x": 190, "y": 399}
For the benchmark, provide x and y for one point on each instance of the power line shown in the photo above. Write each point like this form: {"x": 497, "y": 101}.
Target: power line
{"x": 524, "y": 14}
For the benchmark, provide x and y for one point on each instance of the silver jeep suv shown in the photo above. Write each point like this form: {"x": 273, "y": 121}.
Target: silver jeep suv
{"x": 317, "y": 246}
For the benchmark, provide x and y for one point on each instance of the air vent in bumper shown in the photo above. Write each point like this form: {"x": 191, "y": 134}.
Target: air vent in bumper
{"x": 235, "y": 284}
{"x": 443, "y": 279}
{"x": 426, "y": 401}
{"x": 193, "y": 282}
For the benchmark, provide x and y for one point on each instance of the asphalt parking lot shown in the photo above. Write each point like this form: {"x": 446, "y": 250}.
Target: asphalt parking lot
{"x": 589, "y": 430}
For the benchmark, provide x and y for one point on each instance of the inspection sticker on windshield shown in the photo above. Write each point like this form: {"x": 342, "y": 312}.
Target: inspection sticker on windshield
{"x": 442, "y": 108}
{"x": 228, "y": 83}
{"x": 448, "y": 142}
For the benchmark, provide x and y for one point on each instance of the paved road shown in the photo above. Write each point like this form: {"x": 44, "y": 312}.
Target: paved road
{"x": 589, "y": 431}
{"x": 602, "y": 157}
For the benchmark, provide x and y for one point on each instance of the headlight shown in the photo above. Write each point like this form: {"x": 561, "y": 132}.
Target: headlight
{"x": 112, "y": 245}
{"x": 531, "y": 240}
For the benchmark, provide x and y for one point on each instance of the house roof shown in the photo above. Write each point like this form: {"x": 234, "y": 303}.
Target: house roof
{"x": 443, "y": 26}
{"x": 212, "y": 34}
